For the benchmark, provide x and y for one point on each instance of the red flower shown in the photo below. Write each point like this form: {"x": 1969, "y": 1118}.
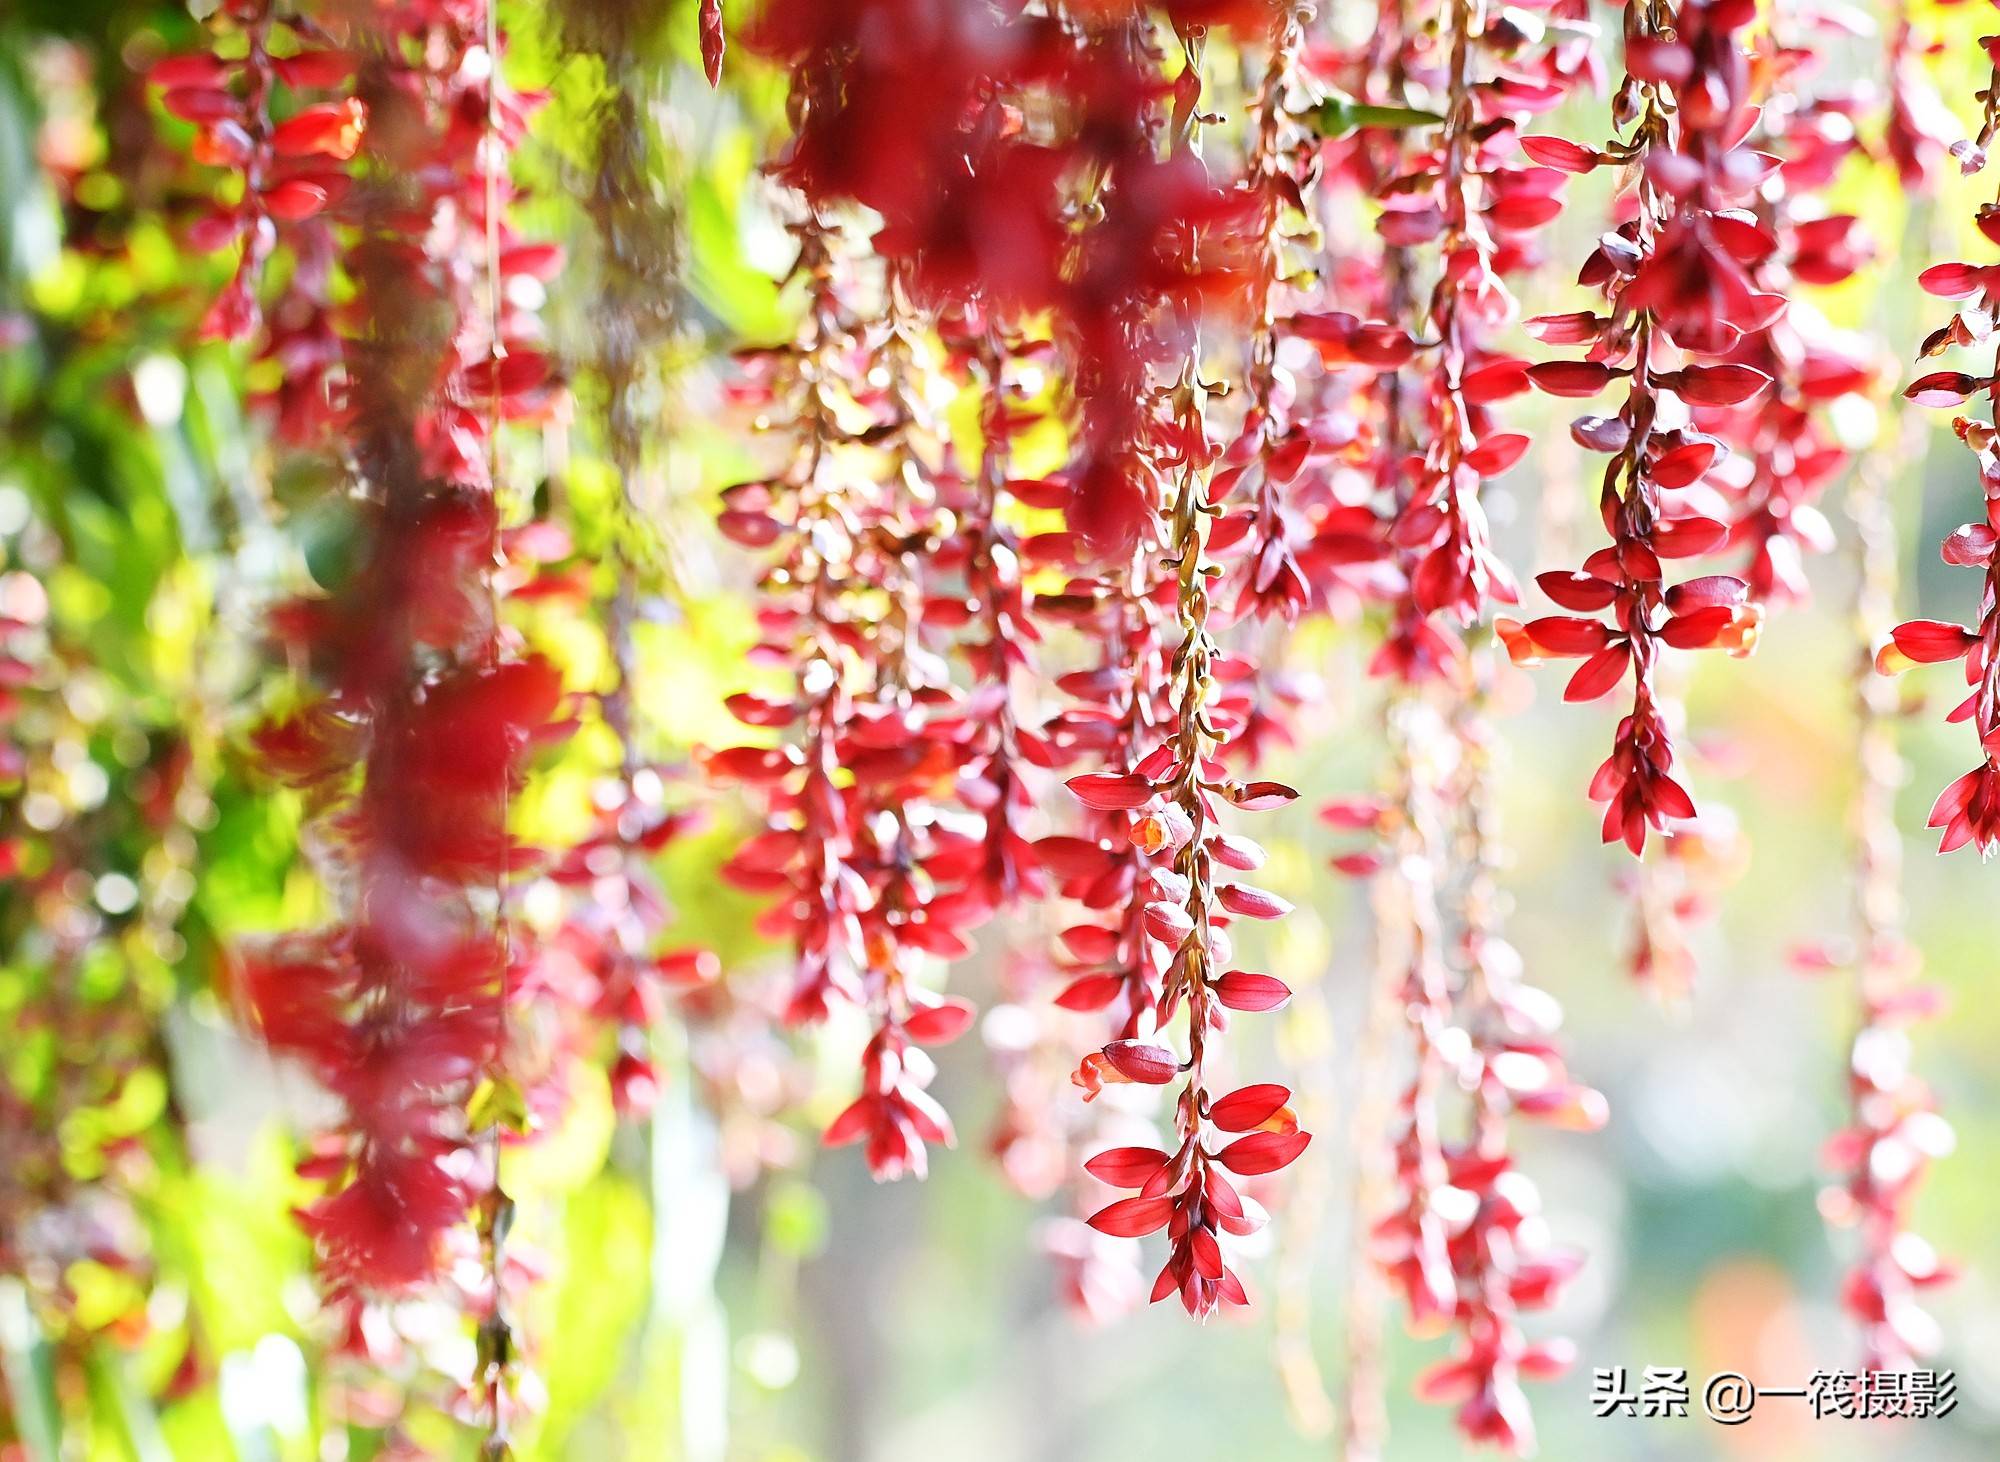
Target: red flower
{"x": 1675, "y": 276}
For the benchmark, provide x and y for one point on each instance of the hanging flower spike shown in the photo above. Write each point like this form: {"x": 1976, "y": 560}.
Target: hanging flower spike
{"x": 805, "y": 854}
{"x": 1121, "y": 604}
{"x": 424, "y": 717}
{"x": 910, "y": 737}
{"x": 1466, "y": 192}
{"x": 872, "y": 874}
{"x": 607, "y": 969}
{"x": 1411, "y": 1242}
{"x": 1784, "y": 450}
{"x": 295, "y": 176}
{"x": 1894, "y": 1129}
{"x": 1177, "y": 786}
{"x": 1000, "y": 635}
{"x": 1921, "y": 131}
{"x": 1967, "y": 811}
{"x": 1501, "y": 1257}
{"x": 708, "y": 19}
{"x": 291, "y": 171}
{"x": 1677, "y": 284}
{"x": 1275, "y": 446}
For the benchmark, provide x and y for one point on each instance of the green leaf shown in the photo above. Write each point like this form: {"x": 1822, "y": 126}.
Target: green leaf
{"x": 29, "y": 1363}
{"x": 1339, "y": 115}
{"x": 498, "y": 1103}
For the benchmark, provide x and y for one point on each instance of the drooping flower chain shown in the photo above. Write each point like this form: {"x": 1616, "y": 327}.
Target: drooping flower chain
{"x": 1894, "y": 1129}
{"x": 1501, "y": 1258}
{"x": 1677, "y": 283}
{"x": 1179, "y": 785}
{"x": 397, "y": 1009}
{"x": 1968, "y": 810}
{"x": 870, "y": 875}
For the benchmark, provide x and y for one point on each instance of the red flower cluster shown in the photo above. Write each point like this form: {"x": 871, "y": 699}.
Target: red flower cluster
{"x": 875, "y": 873}
{"x": 398, "y": 1009}
{"x": 290, "y": 171}
{"x": 989, "y": 601}
{"x": 1176, "y": 788}
{"x": 1968, "y": 810}
{"x": 1678, "y": 282}
{"x": 1894, "y": 1129}
{"x": 1015, "y": 158}
{"x": 1502, "y": 1259}
{"x": 1268, "y": 462}
{"x": 1464, "y": 1242}
{"x": 420, "y": 720}
{"x": 1045, "y": 215}
{"x": 1920, "y": 131}
{"x": 606, "y": 960}
{"x": 1466, "y": 195}
{"x": 1784, "y": 454}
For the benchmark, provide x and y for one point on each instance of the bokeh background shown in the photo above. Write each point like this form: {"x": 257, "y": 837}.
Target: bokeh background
{"x": 719, "y": 1287}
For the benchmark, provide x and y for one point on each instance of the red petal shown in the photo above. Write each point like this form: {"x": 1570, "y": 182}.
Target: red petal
{"x": 1577, "y": 591}
{"x": 1570, "y": 377}
{"x": 1697, "y": 628}
{"x": 1262, "y": 796}
{"x": 1111, "y": 791}
{"x": 1130, "y": 1218}
{"x": 1563, "y": 635}
{"x": 940, "y": 1024}
{"x": 1249, "y": 1107}
{"x": 1251, "y": 903}
{"x": 1942, "y": 388}
{"x": 1263, "y": 1152}
{"x": 1559, "y": 153}
{"x": 1497, "y": 453}
{"x": 1242, "y": 990}
{"x": 852, "y": 1124}
{"x": 1929, "y": 641}
{"x": 1720, "y": 385}
{"x": 1597, "y": 675}
{"x": 1951, "y": 281}
{"x": 1126, "y": 1167}
{"x": 1149, "y": 1065}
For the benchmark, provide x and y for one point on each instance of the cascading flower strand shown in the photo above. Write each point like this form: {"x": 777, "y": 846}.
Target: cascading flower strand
{"x": 1462, "y": 1240}
{"x": 1411, "y": 1242}
{"x": 998, "y": 644}
{"x": 1894, "y": 1128}
{"x": 620, "y": 914}
{"x": 1678, "y": 286}
{"x": 908, "y": 737}
{"x": 871, "y": 873}
{"x": 1784, "y": 451}
{"x": 1274, "y": 444}
{"x": 1968, "y": 810}
{"x": 292, "y": 170}
{"x": 1501, "y": 1258}
{"x": 1178, "y": 786}
{"x": 1010, "y": 246}
{"x": 422, "y": 717}
{"x": 1460, "y": 193}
